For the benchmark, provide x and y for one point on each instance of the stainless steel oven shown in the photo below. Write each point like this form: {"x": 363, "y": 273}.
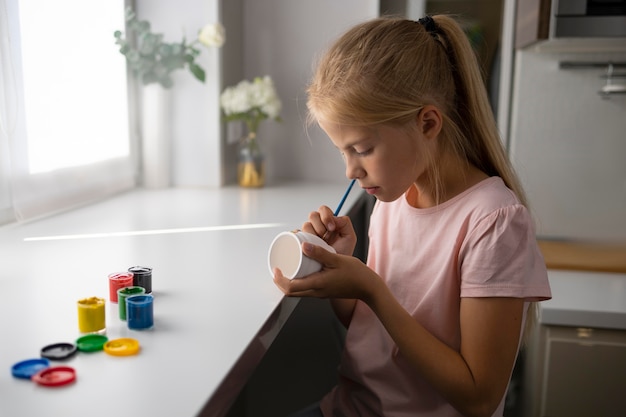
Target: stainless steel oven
{"x": 588, "y": 19}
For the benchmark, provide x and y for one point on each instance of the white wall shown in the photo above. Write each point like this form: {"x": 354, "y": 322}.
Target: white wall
{"x": 569, "y": 145}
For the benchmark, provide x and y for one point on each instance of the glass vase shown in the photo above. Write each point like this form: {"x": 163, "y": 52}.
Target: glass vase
{"x": 251, "y": 163}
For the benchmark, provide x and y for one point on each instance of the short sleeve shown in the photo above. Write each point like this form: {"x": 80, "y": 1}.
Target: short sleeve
{"x": 500, "y": 258}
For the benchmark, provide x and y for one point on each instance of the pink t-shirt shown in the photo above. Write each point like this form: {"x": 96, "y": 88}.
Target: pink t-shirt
{"x": 480, "y": 243}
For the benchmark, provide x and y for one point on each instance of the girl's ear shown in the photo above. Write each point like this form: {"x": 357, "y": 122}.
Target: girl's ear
{"x": 430, "y": 121}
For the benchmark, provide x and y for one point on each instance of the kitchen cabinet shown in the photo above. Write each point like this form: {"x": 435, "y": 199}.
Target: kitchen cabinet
{"x": 579, "y": 25}
{"x": 579, "y": 372}
{"x": 575, "y": 360}
{"x": 532, "y": 22}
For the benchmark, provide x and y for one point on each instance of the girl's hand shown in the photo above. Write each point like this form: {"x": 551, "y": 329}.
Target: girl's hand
{"x": 341, "y": 276}
{"x": 338, "y": 232}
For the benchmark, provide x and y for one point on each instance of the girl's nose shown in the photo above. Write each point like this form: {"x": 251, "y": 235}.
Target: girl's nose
{"x": 353, "y": 169}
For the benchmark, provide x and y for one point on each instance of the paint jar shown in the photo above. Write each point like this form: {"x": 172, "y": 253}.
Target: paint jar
{"x": 91, "y": 315}
{"x": 139, "y": 312}
{"x": 123, "y": 294}
{"x": 142, "y": 277}
{"x": 119, "y": 280}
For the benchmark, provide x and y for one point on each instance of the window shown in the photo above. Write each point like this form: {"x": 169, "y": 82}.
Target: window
{"x": 74, "y": 88}
{"x": 65, "y": 114}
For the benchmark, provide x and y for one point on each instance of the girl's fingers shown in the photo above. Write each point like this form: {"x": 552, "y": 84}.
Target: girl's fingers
{"x": 320, "y": 222}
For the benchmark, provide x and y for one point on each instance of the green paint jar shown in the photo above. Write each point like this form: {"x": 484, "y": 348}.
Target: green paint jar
{"x": 123, "y": 294}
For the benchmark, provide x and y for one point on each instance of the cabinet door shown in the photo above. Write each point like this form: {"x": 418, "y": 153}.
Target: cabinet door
{"x": 585, "y": 372}
{"x": 532, "y": 22}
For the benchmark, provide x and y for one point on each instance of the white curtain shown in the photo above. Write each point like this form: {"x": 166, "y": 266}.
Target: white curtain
{"x": 8, "y": 107}
{"x": 24, "y": 195}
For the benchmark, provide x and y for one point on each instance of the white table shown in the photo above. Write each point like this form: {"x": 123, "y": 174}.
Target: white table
{"x": 216, "y": 309}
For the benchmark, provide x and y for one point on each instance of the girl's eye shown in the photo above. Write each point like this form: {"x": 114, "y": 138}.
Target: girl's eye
{"x": 363, "y": 153}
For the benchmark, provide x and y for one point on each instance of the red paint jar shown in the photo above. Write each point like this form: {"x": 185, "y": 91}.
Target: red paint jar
{"x": 119, "y": 280}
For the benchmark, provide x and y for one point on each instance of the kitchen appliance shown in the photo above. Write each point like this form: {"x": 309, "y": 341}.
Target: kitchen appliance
{"x": 588, "y": 19}
{"x": 567, "y": 143}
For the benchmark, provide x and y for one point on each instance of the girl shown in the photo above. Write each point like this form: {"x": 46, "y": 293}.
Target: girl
{"x": 435, "y": 318}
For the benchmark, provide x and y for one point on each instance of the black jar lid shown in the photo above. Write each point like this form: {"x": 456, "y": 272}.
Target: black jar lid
{"x": 140, "y": 270}
{"x": 58, "y": 351}
{"x": 142, "y": 277}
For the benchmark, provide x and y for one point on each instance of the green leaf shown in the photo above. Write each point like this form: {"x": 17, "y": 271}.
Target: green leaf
{"x": 165, "y": 50}
{"x": 172, "y": 62}
{"x": 149, "y": 78}
{"x": 143, "y": 26}
{"x": 132, "y": 56}
{"x": 166, "y": 82}
{"x": 197, "y": 71}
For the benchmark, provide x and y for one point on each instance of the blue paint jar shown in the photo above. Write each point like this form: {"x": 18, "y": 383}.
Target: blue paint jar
{"x": 139, "y": 312}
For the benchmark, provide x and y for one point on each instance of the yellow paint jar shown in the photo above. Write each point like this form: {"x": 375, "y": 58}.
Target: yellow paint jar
{"x": 91, "y": 315}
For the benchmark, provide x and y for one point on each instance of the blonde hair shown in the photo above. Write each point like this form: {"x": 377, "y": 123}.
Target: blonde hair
{"x": 385, "y": 70}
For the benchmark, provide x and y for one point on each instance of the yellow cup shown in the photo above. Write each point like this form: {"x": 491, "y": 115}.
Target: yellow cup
{"x": 91, "y": 315}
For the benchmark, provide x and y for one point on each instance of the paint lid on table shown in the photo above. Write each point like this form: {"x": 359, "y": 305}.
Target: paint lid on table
{"x": 58, "y": 351}
{"x": 122, "y": 347}
{"x": 29, "y": 367}
{"x": 55, "y": 376}
{"x": 91, "y": 342}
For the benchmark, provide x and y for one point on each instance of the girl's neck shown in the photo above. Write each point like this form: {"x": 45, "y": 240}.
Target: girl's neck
{"x": 455, "y": 179}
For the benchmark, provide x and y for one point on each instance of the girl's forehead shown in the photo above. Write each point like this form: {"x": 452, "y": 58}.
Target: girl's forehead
{"x": 347, "y": 129}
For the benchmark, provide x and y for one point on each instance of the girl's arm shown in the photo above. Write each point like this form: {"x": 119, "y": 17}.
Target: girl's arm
{"x": 474, "y": 379}
{"x": 343, "y": 308}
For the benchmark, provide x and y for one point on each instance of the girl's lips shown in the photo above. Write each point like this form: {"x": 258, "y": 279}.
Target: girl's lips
{"x": 371, "y": 190}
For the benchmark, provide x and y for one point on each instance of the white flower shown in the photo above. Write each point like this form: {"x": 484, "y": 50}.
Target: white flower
{"x": 251, "y": 102}
{"x": 247, "y": 95}
{"x": 235, "y": 99}
{"x": 263, "y": 95}
{"x": 212, "y": 35}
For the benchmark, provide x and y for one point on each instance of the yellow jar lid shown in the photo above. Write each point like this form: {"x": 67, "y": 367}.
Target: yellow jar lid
{"x": 122, "y": 347}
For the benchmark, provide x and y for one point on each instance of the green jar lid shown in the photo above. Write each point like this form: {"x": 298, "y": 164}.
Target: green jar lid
{"x": 91, "y": 342}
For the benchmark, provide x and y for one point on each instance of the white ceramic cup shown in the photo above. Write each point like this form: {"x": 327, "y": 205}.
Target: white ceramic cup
{"x": 286, "y": 254}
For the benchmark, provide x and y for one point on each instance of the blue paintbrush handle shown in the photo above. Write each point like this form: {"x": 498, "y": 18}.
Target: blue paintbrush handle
{"x": 343, "y": 199}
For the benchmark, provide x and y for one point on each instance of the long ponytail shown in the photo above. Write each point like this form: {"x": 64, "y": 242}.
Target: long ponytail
{"x": 474, "y": 115}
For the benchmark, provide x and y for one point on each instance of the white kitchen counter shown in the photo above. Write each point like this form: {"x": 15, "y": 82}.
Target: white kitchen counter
{"x": 585, "y": 299}
{"x": 216, "y": 309}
